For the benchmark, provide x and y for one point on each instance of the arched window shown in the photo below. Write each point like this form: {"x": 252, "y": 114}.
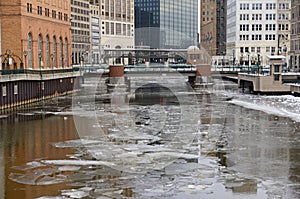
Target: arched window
{"x": 29, "y": 50}
{"x": 60, "y": 53}
{"x": 54, "y": 52}
{"x": 66, "y": 52}
{"x": 40, "y": 50}
{"x": 47, "y": 52}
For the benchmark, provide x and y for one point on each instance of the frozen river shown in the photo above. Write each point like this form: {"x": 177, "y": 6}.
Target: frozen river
{"x": 174, "y": 143}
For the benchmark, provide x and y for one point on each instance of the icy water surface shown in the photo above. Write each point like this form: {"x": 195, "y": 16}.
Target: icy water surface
{"x": 187, "y": 145}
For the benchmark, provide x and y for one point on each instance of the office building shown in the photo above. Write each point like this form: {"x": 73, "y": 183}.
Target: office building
{"x": 80, "y": 22}
{"x": 256, "y": 29}
{"x": 116, "y": 27}
{"x": 213, "y": 26}
{"x": 117, "y": 24}
{"x": 166, "y": 23}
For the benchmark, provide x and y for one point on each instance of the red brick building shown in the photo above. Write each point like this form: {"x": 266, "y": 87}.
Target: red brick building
{"x": 36, "y": 32}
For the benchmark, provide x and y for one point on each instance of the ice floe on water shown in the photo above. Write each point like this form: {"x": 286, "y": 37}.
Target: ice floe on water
{"x": 282, "y": 105}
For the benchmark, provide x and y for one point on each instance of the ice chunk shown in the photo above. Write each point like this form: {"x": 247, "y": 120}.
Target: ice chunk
{"x": 78, "y": 162}
{"x": 29, "y": 165}
{"x": 74, "y": 193}
{"x": 68, "y": 168}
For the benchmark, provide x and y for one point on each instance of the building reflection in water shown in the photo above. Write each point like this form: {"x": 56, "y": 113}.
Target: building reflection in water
{"x": 262, "y": 146}
{"x": 29, "y": 140}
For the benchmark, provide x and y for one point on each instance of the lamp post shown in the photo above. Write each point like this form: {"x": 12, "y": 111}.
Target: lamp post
{"x": 233, "y": 59}
{"x": 51, "y": 57}
{"x": 25, "y": 56}
{"x": 9, "y": 59}
{"x": 248, "y": 54}
{"x": 258, "y": 63}
{"x": 284, "y": 50}
{"x": 41, "y": 75}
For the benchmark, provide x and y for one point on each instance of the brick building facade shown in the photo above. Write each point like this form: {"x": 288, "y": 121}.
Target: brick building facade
{"x": 36, "y": 32}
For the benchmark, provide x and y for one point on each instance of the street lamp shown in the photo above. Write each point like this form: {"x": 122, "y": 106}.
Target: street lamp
{"x": 25, "y": 53}
{"x": 51, "y": 57}
{"x": 248, "y": 54}
{"x": 41, "y": 75}
{"x": 233, "y": 59}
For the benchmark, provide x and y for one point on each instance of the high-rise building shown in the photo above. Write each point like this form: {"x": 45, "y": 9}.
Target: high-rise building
{"x": 166, "y": 23}
{"x": 295, "y": 37}
{"x": 36, "y": 33}
{"x": 95, "y": 34}
{"x": 80, "y": 22}
{"x": 116, "y": 26}
{"x": 257, "y": 28}
{"x": 213, "y": 26}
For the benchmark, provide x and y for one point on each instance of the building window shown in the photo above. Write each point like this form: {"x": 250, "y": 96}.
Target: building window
{"x": 40, "y": 10}
{"x": 66, "y": 18}
{"x": 54, "y": 52}
{"x": 66, "y": 51}
{"x": 118, "y": 29}
{"x": 276, "y": 77}
{"x": 47, "y": 52}
{"x": 29, "y": 7}
{"x": 112, "y": 28}
{"x": 47, "y": 12}
{"x": 59, "y": 15}
{"x": 40, "y": 50}
{"x": 61, "y": 53}
{"x": 54, "y": 14}
{"x": 107, "y": 28}
{"x": 29, "y": 50}
{"x": 258, "y": 49}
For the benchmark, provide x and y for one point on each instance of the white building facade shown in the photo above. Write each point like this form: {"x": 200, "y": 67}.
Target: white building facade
{"x": 257, "y": 28}
{"x": 117, "y": 23}
{"x": 95, "y": 57}
{"x": 116, "y": 26}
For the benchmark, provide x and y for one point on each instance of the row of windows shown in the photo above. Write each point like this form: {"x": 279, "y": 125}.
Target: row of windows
{"x": 79, "y": 11}
{"x": 271, "y": 49}
{"x": 258, "y": 37}
{"x": 80, "y": 18}
{"x": 46, "y": 12}
{"x": 259, "y": 6}
{"x": 80, "y": 4}
{"x": 281, "y": 16}
{"x": 53, "y": 50}
{"x": 80, "y": 25}
{"x": 117, "y": 28}
{"x": 258, "y": 27}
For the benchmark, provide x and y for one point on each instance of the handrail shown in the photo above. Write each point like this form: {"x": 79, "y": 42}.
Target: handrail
{"x": 37, "y": 71}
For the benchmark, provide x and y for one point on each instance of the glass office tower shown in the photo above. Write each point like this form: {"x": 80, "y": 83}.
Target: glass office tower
{"x": 166, "y": 23}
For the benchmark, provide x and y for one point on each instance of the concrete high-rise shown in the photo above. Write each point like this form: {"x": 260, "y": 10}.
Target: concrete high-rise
{"x": 295, "y": 36}
{"x": 166, "y": 23}
{"x": 80, "y": 22}
{"x": 116, "y": 26}
{"x": 256, "y": 29}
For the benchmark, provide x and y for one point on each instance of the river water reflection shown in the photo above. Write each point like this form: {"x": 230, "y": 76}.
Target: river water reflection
{"x": 243, "y": 154}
